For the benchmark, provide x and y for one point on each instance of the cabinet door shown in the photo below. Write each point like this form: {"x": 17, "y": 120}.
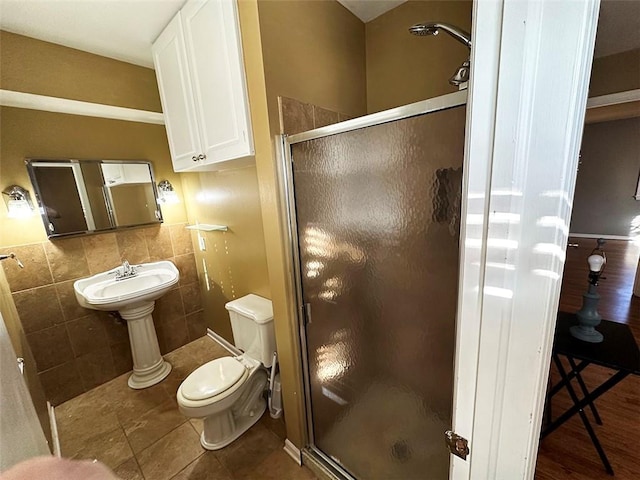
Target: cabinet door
{"x": 176, "y": 94}
{"x": 212, "y": 38}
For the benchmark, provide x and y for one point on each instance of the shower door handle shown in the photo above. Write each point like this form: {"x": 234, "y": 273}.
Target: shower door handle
{"x": 457, "y": 445}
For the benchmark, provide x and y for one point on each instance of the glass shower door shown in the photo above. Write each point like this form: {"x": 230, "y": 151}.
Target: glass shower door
{"x": 378, "y": 223}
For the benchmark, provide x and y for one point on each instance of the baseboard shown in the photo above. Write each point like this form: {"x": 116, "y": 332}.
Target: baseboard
{"x": 55, "y": 439}
{"x": 223, "y": 342}
{"x": 598, "y": 235}
{"x": 293, "y": 451}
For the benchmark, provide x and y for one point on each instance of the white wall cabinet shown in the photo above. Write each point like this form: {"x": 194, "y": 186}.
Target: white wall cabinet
{"x": 200, "y": 71}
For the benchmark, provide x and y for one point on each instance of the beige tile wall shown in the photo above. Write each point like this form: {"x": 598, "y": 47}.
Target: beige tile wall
{"x": 296, "y": 116}
{"x": 76, "y": 349}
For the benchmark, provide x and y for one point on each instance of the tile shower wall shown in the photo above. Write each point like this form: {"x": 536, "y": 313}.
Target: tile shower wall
{"x": 296, "y": 116}
{"x": 76, "y": 349}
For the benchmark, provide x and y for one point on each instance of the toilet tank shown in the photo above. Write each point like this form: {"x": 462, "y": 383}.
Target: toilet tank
{"x": 252, "y": 325}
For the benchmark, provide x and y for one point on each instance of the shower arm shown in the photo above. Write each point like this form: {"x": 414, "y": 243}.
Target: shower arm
{"x": 459, "y": 35}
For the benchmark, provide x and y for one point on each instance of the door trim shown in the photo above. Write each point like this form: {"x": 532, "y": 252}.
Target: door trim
{"x": 531, "y": 63}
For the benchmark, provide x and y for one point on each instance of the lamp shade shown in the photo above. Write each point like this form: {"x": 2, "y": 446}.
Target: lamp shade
{"x": 18, "y": 202}
{"x": 166, "y": 193}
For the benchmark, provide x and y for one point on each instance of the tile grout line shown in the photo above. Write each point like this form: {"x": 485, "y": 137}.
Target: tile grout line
{"x": 124, "y": 434}
{"x": 189, "y": 464}
{"x": 162, "y": 437}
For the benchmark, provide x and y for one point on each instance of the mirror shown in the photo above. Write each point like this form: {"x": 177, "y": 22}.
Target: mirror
{"x": 85, "y": 196}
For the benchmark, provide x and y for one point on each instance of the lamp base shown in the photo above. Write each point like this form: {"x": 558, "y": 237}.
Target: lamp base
{"x": 586, "y": 334}
{"x": 588, "y": 318}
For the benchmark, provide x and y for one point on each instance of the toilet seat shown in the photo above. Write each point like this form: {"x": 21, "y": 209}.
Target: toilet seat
{"x": 213, "y": 379}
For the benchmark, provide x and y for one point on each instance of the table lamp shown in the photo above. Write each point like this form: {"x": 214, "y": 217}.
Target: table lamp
{"x": 588, "y": 316}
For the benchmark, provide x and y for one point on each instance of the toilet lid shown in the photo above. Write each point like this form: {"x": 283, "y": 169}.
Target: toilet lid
{"x": 212, "y": 378}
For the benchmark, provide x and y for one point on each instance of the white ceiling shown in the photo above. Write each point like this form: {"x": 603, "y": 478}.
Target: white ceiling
{"x": 367, "y": 10}
{"x": 125, "y": 29}
{"x": 120, "y": 29}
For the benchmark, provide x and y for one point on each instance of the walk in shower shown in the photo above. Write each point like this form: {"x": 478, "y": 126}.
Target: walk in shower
{"x": 374, "y": 208}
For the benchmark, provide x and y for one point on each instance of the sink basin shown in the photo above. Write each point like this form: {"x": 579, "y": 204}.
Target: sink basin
{"x": 103, "y": 292}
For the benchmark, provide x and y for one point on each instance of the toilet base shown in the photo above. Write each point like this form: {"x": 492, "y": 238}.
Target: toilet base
{"x": 242, "y": 424}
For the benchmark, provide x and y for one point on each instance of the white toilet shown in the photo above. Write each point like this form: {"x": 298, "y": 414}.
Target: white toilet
{"x": 228, "y": 392}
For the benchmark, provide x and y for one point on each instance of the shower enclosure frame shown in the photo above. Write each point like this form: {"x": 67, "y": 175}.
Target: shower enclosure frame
{"x": 424, "y": 107}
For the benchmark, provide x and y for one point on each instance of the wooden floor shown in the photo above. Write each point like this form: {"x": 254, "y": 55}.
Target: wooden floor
{"x": 568, "y": 452}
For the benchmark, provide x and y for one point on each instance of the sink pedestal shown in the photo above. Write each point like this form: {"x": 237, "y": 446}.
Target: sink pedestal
{"x": 149, "y": 367}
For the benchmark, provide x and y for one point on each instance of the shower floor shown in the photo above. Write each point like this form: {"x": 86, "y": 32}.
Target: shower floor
{"x": 388, "y": 434}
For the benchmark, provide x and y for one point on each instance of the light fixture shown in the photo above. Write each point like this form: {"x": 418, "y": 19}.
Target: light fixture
{"x": 588, "y": 316}
{"x": 166, "y": 193}
{"x": 18, "y": 202}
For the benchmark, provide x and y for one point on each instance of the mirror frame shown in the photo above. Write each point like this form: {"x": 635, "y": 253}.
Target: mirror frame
{"x": 71, "y": 161}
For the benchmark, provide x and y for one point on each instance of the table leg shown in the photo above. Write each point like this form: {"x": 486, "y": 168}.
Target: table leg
{"x": 583, "y": 417}
{"x": 576, "y": 371}
{"x": 615, "y": 379}
{"x": 585, "y": 392}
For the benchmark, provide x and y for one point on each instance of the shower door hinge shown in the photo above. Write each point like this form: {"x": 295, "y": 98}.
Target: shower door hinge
{"x": 458, "y": 445}
{"x": 306, "y": 313}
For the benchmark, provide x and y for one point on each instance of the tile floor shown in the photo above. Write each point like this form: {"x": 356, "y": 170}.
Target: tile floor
{"x": 140, "y": 434}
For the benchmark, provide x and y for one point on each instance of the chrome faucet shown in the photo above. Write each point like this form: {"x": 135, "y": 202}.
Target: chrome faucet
{"x": 127, "y": 271}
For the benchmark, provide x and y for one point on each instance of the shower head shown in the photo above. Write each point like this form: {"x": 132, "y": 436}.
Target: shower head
{"x": 433, "y": 28}
{"x": 422, "y": 30}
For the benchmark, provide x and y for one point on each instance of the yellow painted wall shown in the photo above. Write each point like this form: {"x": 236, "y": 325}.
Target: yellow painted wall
{"x": 279, "y": 267}
{"x": 34, "y": 66}
{"x": 234, "y": 263}
{"x": 314, "y": 52}
{"x": 404, "y": 68}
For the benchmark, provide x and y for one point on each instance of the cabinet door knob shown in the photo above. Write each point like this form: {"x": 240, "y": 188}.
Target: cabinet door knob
{"x": 194, "y": 158}
{"x": 202, "y": 156}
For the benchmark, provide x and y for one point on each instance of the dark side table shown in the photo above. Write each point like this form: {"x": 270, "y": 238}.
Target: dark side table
{"x": 619, "y": 352}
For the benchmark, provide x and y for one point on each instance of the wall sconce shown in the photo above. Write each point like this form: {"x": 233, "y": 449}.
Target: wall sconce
{"x": 588, "y": 316}
{"x": 18, "y": 202}
{"x": 166, "y": 193}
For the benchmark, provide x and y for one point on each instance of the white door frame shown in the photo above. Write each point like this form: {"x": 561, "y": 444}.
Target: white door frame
{"x": 531, "y": 63}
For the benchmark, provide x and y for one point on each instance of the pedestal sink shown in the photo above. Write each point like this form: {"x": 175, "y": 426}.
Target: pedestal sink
{"x": 132, "y": 291}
